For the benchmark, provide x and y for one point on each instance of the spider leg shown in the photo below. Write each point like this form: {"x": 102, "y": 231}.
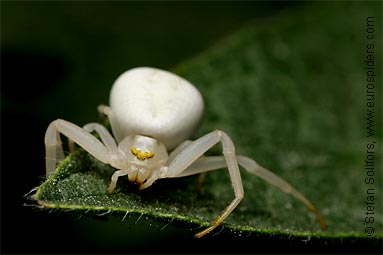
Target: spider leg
{"x": 114, "y": 179}
{"x": 251, "y": 166}
{"x": 178, "y": 149}
{"x": 201, "y": 166}
{"x": 53, "y": 145}
{"x": 193, "y": 151}
{"x": 104, "y": 134}
{"x": 106, "y": 138}
{"x": 205, "y": 164}
{"x": 106, "y": 111}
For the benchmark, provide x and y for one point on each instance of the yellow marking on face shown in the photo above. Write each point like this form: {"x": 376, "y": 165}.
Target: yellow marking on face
{"x": 142, "y": 155}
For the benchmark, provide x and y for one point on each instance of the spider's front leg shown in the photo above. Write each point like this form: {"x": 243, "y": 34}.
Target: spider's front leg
{"x": 53, "y": 145}
{"x": 193, "y": 151}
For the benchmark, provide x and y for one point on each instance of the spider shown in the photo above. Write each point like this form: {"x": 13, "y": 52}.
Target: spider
{"x": 152, "y": 115}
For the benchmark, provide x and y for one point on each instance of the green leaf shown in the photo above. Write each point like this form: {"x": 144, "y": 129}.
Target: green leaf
{"x": 291, "y": 93}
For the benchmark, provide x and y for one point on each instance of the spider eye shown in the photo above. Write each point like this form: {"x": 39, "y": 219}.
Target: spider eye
{"x": 142, "y": 155}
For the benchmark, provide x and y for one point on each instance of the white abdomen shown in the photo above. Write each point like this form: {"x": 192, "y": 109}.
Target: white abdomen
{"x": 156, "y": 103}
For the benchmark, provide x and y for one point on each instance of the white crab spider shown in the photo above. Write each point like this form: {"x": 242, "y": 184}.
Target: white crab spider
{"x": 153, "y": 112}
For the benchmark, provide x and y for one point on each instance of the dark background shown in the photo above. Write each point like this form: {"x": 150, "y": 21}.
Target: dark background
{"x": 59, "y": 60}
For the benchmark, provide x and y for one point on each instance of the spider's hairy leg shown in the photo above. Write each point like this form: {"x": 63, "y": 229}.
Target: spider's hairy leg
{"x": 53, "y": 145}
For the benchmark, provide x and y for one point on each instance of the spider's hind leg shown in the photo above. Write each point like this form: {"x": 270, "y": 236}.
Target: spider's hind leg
{"x": 252, "y": 167}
